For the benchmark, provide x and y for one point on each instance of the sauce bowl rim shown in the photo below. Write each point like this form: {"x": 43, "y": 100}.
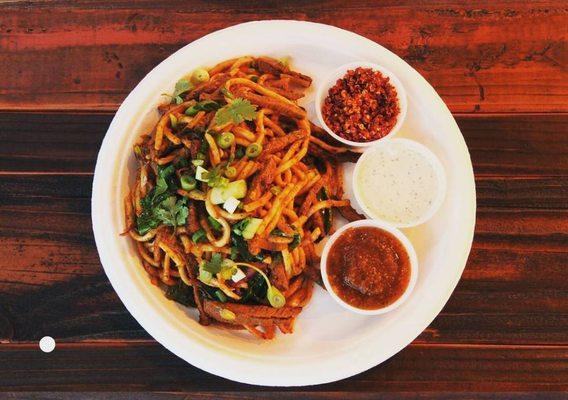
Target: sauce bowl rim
{"x": 432, "y": 159}
{"x": 330, "y": 80}
{"x": 401, "y": 238}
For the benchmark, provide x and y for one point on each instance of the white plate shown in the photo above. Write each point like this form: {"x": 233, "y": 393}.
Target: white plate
{"x": 329, "y": 343}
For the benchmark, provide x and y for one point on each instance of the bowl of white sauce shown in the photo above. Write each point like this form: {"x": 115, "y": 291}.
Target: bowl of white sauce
{"x": 400, "y": 182}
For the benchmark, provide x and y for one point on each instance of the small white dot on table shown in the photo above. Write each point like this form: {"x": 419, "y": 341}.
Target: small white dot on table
{"x": 47, "y": 344}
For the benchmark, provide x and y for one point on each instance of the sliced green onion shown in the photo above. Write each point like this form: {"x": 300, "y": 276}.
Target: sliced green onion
{"x": 188, "y": 182}
{"x": 275, "y": 297}
{"x": 230, "y": 172}
{"x": 225, "y": 140}
{"x": 200, "y": 75}
{"x": 205, "y": 276}
{"x": 198, "y": 236}
{"x": 200, "y": 156}
{"x": 227, "y": 314}
{"x": 253, "y": 150}
{"x": 214, "y": 224}
{"x": 198, "y": 163}
{"x": 201, "y": 174}
{"x": 191, "y": 111}
{"x": 221, "y": 296}
{"x": 227, "y": 273}
{"x": 173, "y": 121}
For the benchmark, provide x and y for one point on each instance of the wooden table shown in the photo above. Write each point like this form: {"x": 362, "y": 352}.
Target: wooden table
{"x": 501, "y": 69}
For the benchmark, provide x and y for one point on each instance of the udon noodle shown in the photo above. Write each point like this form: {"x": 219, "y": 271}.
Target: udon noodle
{"x": 233, "y": 190}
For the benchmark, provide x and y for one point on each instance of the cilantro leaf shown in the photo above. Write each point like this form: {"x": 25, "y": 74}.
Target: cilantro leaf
{"x": 146, "y": 220}
{"x": 172, "y": 213}
{"x": 164, "y": 181}
{"x": 215, "y": 177}
{"x": 214, "y": 265}
{"x": 238, "y": 111}
{"x": 182, "y": 86}
{"x": 168, "y": 212}
{"x": 256, "y": 290}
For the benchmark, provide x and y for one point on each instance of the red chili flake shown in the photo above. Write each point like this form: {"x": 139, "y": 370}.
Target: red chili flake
{"x": 362, "y": 106}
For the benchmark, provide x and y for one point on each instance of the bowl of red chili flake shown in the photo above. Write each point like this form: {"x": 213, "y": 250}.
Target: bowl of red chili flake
{"x": 361, "y": 103}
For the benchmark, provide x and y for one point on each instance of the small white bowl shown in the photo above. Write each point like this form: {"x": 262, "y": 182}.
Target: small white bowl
{"x": 433, "y": 161}
{"x": 331, "y": 79}
{"x": 396, "y": 233}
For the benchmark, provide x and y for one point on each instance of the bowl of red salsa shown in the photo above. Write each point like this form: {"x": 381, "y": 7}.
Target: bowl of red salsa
{"x": 361, "y": 103}
{"x": 369, "y": 267}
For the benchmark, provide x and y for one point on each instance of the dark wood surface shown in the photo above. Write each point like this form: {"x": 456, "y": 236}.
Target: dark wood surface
{"x": 500, "y": 66}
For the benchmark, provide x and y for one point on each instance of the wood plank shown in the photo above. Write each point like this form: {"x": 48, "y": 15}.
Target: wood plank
{"x": 506, "y": 57}
{"x": 51, "y": 282}
{"x": 267, "y": 394}
{"x": 148, "y": 366}
{"x": 512, "y": 145}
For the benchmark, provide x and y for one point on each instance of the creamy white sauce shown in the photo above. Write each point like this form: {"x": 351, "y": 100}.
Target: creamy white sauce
{"x": 398, "y": 182}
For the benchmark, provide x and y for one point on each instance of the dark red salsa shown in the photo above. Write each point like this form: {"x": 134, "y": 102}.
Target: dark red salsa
{"x": 368, "y": 268}
{"x": 362, "y": 106}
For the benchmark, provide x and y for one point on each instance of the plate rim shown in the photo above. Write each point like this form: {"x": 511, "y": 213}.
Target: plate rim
{"x": 201, "y": 354}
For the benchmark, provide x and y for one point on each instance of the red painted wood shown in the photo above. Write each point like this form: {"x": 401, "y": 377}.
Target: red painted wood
{"x": 487, "y": 57}
{"x": 148, "y": 366}
{"x": 51, "y": 282}
{"x": 502, "y": 65}
{"x": 510, "y": 144}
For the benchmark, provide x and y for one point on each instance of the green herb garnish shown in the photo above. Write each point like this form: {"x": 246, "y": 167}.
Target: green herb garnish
{"x": 275, "y": 297}
{"x": 182, "y": 86}
{"x": 256, "y": 289}
{"x": 181, "y": 293}
{"x": 199, "y": 236}
{"x": 295, "y": 242}
{"x": 171, "y": 212}
{"x": 161, "y": 206}
{"x": 296, "y": 238}
{"x": 214, "y": 224}
{"x": 215, "y": 177}
{"x": 213, "y": 266}
{"x": 221, "y": 296}
{"x": 205, "y": 105}
{"x": 240, "y": 151}
{"x": 238, "y": 111}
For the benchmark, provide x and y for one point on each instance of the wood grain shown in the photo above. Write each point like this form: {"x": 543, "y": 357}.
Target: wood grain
{"x": 263, "y": 394}
{"x": 505, "y": 57}
{"x": 532, "y": 145}
{"x": 500, "y": 66}
{"x": 417, "y": 368}
{"x": 512, "y": 290}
